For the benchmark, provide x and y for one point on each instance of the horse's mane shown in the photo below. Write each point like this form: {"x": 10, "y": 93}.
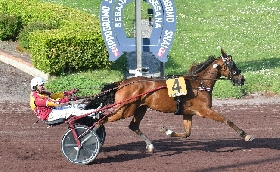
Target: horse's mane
{"x": 201, "y": 66}
{"x": 106, "y": 97}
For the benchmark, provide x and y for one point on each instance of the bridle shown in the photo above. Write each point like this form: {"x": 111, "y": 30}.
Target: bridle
{"x": 229, "y": 63}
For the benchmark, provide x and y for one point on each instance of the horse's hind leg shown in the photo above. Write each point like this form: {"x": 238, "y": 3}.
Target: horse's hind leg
{"x": 187, "y": 121}
{"x": 135, "y": 123}
{"x": 209, "y": 113}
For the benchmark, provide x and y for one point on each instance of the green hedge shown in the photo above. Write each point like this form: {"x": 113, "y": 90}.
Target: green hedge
{"x": 23, "y": 37}
{"x": 10, "y": 26}
{"x": 75, "y": 45}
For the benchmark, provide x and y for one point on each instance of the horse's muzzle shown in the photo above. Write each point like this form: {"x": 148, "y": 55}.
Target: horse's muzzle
{"x": 238, "y": 80}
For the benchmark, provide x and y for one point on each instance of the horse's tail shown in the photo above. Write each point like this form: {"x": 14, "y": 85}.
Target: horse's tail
{"x": 106, "y": 97}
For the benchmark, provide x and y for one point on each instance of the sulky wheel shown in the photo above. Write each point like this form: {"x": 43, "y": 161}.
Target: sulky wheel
{"x": 89, "y": 149}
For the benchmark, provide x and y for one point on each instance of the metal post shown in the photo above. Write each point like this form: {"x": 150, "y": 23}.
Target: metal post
{"x": 138, "y": 35}
{"x": 162, "y": 69}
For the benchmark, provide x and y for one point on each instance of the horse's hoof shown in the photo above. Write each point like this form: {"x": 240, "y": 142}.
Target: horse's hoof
{"x": 163, "y": 129}
{"x": 249, "y": 138}
{"x": 150, "y": 148}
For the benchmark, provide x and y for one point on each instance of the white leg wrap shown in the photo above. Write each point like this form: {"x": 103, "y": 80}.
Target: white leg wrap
{"x": 168, "y": 132}
{"x": 150, "y": 148}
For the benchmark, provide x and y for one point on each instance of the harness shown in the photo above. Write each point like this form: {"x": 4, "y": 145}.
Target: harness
{"x": 228, "y": 64}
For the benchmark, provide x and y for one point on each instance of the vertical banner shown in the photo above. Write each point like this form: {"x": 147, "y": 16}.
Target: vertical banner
{"x": 108, "y": 29}
{"x": 168, "y": 30}
{"x": 113, "y": 32}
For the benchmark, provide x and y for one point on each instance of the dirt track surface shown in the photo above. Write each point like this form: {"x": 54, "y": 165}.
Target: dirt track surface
{"x": 211, "y": 147}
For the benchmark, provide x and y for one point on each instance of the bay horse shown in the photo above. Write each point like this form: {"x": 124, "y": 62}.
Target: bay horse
{"x": 152, "y": 93}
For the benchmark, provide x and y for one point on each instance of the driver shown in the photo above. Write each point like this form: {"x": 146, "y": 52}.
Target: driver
{"x": 49, "y": 107}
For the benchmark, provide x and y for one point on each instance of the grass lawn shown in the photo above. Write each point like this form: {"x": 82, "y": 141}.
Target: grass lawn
{"x": 249, "y": 31}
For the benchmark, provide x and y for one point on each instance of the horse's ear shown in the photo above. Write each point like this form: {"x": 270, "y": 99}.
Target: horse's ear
{"x": 224, "y": 54}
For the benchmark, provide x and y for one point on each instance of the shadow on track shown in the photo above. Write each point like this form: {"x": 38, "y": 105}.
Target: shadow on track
{"x": 173, "y": 146}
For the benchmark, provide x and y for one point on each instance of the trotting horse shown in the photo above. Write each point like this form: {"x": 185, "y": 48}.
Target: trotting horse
{"x": 153, "y": 94}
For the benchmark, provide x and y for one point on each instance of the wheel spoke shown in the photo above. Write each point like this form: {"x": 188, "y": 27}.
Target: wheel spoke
{"x": 77, "y": 155}
{"x": 70, "y": 145}
{"x": 86, "y": 139}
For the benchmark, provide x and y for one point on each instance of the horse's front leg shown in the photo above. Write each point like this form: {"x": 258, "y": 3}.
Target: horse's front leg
{"x": 187, "y": 121}
{"x": 209, "y": 113}
{"x": 239, "y": 131}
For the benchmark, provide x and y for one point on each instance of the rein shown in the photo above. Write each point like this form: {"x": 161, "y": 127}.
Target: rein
{"x": 74, "y": 118}
{"x": 106, "y": 91}
{"x": 202, "y": 87}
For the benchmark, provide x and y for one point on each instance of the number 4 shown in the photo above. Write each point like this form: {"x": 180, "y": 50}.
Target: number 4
{"x": 176, "y": 87}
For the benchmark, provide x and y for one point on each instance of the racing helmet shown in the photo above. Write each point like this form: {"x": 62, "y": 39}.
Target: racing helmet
{"x": 37, "y": 81}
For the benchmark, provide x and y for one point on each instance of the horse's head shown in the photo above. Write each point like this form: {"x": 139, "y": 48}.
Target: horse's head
{"x": 230, "y": 70}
